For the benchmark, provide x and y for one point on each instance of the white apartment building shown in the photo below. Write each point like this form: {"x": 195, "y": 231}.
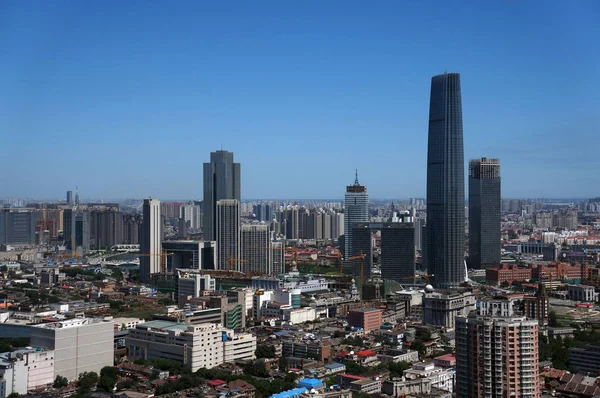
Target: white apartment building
{"x": 13, "y": 376}
{"x": 195, "y": 346}
{"x": 439, "y": 377}
{"x": 126, "y": 323}
{"x": 80, "y": 345}
{"x": 238, "y": 346}
{"x": 26, "y": 369}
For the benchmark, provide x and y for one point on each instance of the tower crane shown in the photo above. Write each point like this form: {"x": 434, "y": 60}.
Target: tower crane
{"x": 232, "y": 260}
{"x": 360, "y": 257}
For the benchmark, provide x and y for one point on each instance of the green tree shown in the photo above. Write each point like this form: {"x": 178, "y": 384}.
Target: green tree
{"x": 117, "y": 274}
{"x": 264, "y": 351}
{"x": 552, "y": 319}
{"x": 60, "y": 382}
{"x": 13, "y": 395}
{"x": 419, "y": 346}
{"x": 87, "y": 381}
{"x": 108, "y": 378}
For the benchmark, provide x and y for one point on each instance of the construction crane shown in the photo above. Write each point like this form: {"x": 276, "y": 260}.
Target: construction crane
{"x": 275, "y": 249}
{"x": 340, "y": 263}
{"x": 360, "y": 257}
{"x": 231, "y": 260}
{"x": 163, "y": 259}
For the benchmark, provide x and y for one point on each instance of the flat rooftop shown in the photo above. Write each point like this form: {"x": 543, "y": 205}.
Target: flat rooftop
{"x": 164, "y": 325}
{"x": 69, "y": 323}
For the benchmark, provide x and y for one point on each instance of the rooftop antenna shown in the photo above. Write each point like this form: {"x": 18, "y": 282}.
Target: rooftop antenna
{"x": 356, "y": 178}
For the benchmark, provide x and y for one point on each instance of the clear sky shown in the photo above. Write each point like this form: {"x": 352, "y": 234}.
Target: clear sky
{"x": 128, "y": 98}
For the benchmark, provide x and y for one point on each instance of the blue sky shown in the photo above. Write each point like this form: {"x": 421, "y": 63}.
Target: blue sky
{"x": 127, "y": 99}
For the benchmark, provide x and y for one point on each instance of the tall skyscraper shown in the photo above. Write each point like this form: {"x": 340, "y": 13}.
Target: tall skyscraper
{"x": 228, "y": 222}
{"x": 445, "y": 183}
{"x": 484, "y": 213}
{"x": 356, "y": 210}
{"x": 398, "y": 251}
{"x": 150, "y": 242}
{"x": 497, "y": 353}
{"x": 222, "y": 180}
{"x": 69, "y": 197}
{"x": 256, "y": 249}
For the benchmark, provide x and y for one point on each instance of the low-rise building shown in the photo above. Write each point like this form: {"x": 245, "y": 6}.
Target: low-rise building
{"x": 442, "y": 309}
{"x": 366, "y": 386}
{"x": 586, "y": 359}
{"x": 195, "y": 346}
{"x": 582, "y": 293}
{"x": 439, "y": 377}
{"x": 367, "y": 319}
{"x": 319, "y": 349}
{"x": 409, "y": 356}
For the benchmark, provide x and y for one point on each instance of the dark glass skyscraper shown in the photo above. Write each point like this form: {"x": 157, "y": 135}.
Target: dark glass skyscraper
{"x": 222, "y": 180}
{"x": 484, "y": 213}
{"x": 445, "y": 183}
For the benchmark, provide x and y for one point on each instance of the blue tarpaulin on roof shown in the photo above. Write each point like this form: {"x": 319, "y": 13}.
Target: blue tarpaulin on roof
{"x": 309, "y": 383}
{"x": 289, "y": 393}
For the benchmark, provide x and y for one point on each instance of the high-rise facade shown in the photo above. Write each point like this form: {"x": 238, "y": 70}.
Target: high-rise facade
{"x": 356, "y": 210}
{"x": 150, "y": 242}
{"x": 69, "y": 197}
{"x": 222, "y": 180}
{"x": 256, "y": 249}
{"x": 17, "y": 226}
{"x": 445, "y": 183}
{"x": 362, "y": 246}
{"x": 484, "y": 213}
{"x": 497, "y": 353}
{"x": 228, "y": 234}
{"x": 398, "y": 251}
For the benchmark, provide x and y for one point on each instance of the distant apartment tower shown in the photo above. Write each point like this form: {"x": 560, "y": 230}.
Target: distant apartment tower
{"x": 398, "y": 251}
{"x": 222, "y": 180}
{"x": 256, "y": 249}
{"x": 445, "y": 183}
{"x": 228, "y": 234}
{"x": 497, "y": 353}
{"x": 484, "y": 213}
{"x": 69, "y": 197}
{"x": 81, "y": 231}
{"x": 17, "y": 226}
{"x": 356, "y": 210}
{"x": 278, "y": 258}
{"x": 150, "y": 242}
{"x": 80, "y": 345}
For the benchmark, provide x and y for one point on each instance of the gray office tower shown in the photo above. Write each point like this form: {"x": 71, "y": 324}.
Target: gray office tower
{"x": 150, "y": 240}
{"x": 222, "y": 180}
{"x": 356, "y": 210}
{"x": 484, "y": 213}
{"x": 69, "y": 197}
{"x": 398, "y": 251}
{"x": 445, "y": 183}
{"x": 361, "y": 246}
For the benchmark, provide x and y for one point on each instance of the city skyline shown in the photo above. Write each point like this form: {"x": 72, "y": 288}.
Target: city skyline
{"x": 323, "y": 81}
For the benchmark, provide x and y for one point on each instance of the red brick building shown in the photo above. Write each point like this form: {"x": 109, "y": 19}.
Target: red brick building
{"x": 366, "y": 318}
{"x": 507, "y": 273}
{"x": 561, "y": 272}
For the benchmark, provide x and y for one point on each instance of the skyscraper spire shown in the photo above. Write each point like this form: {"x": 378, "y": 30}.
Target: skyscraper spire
{"x": 356, "y": 178}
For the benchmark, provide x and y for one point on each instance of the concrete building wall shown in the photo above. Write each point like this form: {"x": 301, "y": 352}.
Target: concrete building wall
{"x": 83, "y": 348}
